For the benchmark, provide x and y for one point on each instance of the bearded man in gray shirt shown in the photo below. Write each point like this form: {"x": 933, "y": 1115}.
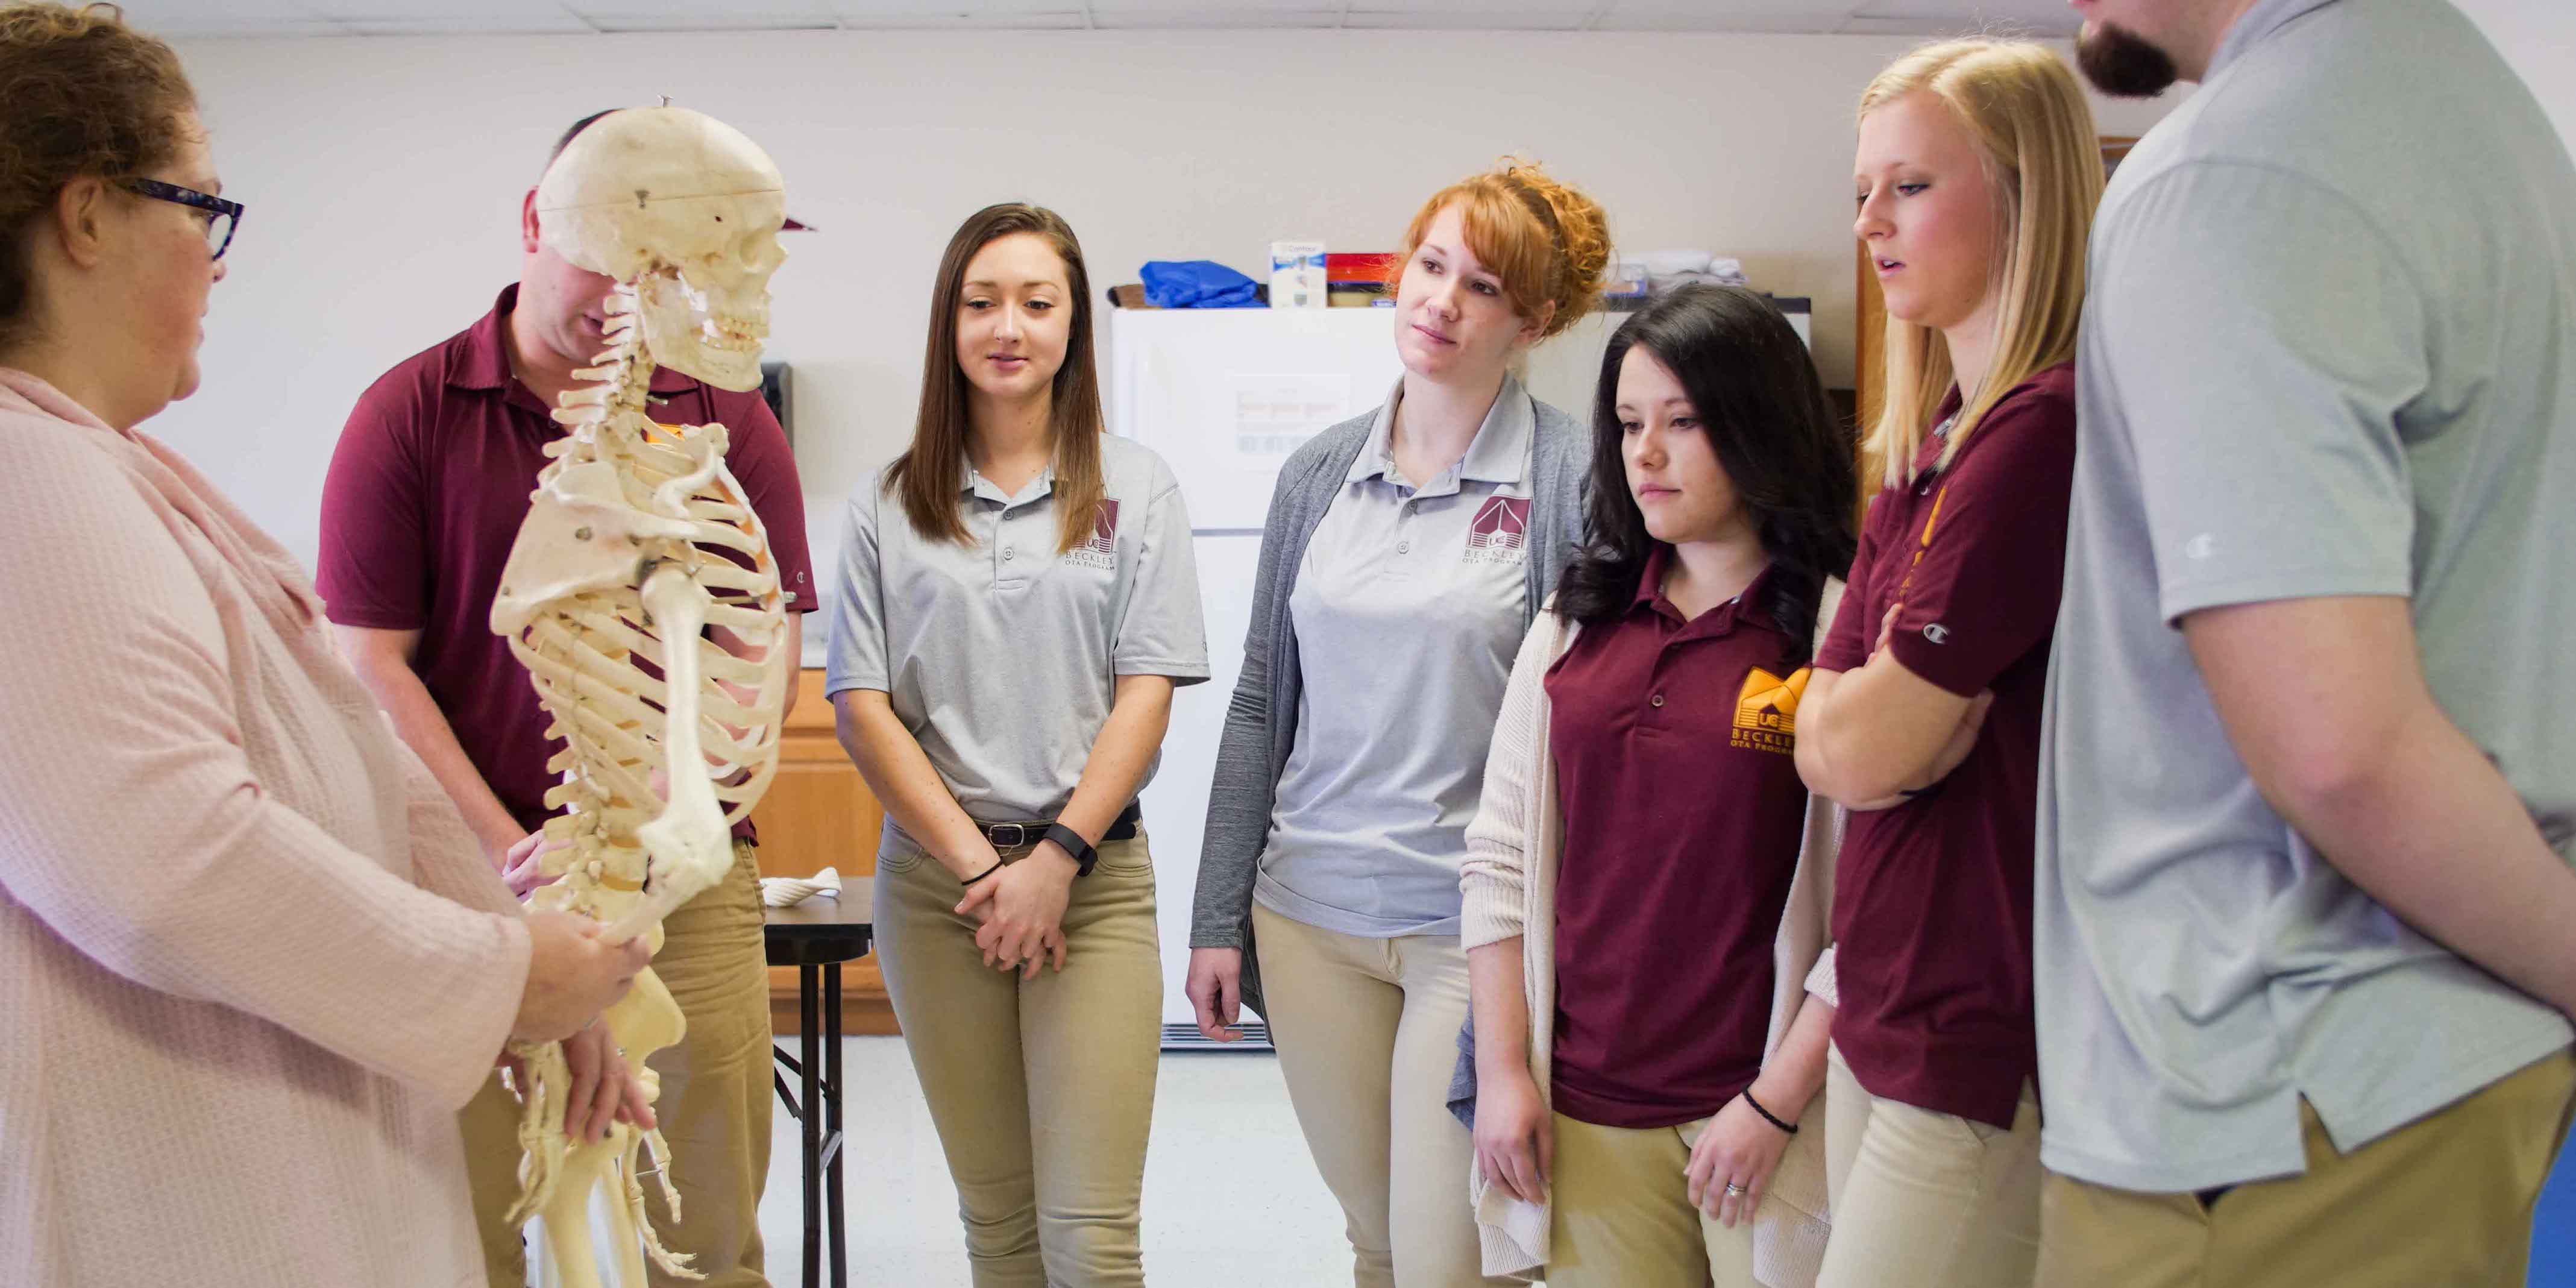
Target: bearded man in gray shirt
{"x": 2308, "y": 777}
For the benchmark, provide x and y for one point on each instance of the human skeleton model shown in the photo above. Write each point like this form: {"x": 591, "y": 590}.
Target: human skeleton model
{"x": 638, "y": 546}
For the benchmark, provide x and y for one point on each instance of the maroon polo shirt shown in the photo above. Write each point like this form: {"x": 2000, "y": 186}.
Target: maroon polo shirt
{"x": 1683, "y": 816}
{"x": 1932, "y": 898}
{"x": 425, "y": 496}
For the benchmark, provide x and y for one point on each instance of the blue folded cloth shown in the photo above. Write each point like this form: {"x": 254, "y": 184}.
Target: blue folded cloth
{"x": 1462, "y": 1078}
{"x": 1197, "y": 284}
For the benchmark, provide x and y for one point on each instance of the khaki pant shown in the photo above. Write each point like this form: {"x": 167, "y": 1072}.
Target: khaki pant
{"x": 1367, "y": 1031}
{"x": 1923, "y": 1199}
{"x": 1042, "y": 1090}
{"x": 714, "y": 1106}
{"x": 1622, "y": 1215}
{"x": 2445, "y": 1200}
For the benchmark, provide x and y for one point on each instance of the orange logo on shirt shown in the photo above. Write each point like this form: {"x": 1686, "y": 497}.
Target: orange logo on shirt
{"x": 1766, "y": 710}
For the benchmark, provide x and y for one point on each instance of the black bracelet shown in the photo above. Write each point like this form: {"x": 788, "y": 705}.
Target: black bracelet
{"x": 1074, "y": 847}
{"x": 1767, "y": 1115}
{"x": 1932, "y": 788}
{"x": 997, "y": 866}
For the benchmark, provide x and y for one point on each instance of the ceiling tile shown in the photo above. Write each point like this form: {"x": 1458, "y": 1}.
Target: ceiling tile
{"x": 961, "y": 9}
{"x": 1866, "y": 26}
{"x": 1509, "y": 19}
{"x": 214, "y": 18}
{"x": 1214, "y": 16}
{"x": 151, "y": 14}
{"x": 398, "y": 17}
{"x": 703, "y": 20}
{"x": 2035, "y": 10}
{"x": 538, "y": 25}
{"x": 951, "y": 20}
{"x": 1726, "y": 15}
{"x": 2049, "y": 17}
{"x": 967, "y": 14}
{"x": 1506, "y": 10}
{"x": 427, "y": 10}
{"x": 238, "y": 28}
{"x": 712, "y": 15}
{"x": 1186, "y": 10}
{"x": 1769, "y": 24}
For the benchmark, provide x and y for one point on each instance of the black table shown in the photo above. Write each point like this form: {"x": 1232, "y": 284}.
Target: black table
{"x": 816, "y": 937}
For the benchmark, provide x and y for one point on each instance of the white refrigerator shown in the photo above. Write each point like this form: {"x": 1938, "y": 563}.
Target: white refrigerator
{"x": 1223, "y": 396}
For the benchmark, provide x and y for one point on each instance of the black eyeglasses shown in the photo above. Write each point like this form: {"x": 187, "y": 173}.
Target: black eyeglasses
{"x": 222, "y": 216}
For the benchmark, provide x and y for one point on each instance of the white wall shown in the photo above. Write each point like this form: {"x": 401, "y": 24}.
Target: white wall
{"x": 383, "y": 176}
{"x": 2539, "y": 38}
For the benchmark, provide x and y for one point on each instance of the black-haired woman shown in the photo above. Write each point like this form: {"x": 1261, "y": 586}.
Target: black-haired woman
{"x": 1647, "y": 881}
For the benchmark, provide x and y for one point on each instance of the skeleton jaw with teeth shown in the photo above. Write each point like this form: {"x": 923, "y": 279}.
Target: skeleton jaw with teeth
{"x": 707, "y": 314}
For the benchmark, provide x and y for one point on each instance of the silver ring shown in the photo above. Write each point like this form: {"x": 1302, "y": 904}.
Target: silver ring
{"x": 1734, "y": 1189}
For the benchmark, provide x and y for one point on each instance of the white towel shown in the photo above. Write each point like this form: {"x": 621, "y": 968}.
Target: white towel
{"x": 783, "y": 892}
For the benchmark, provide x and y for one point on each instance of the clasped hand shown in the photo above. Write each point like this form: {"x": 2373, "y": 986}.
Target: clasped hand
{"x": 1021, "y": 910}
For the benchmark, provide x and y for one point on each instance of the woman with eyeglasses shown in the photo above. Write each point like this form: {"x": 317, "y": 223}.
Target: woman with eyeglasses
{"x": 252, "y": 959}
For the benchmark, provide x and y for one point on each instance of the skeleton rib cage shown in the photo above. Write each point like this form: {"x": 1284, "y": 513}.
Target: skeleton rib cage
{"x": 597, "y": 656}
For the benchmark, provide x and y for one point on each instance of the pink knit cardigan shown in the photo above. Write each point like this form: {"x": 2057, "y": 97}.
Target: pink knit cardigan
{"x": 251, "y": 962}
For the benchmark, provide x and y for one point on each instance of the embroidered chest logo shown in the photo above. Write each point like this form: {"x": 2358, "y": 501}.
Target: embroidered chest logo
{"x": 1766, "y": 711}
{"x": 1100, "y": 549}
{"x": 1500, "y": 531}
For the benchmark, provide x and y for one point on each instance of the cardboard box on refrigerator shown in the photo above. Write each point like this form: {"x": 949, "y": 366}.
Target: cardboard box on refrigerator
{"x": 1297, "y": 275}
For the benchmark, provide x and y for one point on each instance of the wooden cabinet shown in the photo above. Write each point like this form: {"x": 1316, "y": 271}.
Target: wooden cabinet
{"x": 819, "y": 814}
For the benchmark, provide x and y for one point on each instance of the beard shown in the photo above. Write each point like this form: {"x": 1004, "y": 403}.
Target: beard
{"x": 2121, "y": 63}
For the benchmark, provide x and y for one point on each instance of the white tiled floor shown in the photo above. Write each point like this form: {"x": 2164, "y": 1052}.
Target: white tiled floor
{"x": 1231, "y": 1198}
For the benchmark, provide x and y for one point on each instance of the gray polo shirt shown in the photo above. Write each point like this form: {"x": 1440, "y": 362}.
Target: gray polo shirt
{"x": 1407, "y": 609}
{"x": 2330, "y": 350}
{"x": 1001, "y": 656}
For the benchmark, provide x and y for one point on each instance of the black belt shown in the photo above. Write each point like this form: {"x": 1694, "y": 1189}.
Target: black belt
{"x": 1005, "y": 836}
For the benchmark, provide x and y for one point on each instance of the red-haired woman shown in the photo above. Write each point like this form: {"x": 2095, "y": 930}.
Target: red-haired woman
{"x": 1406, "y": 552}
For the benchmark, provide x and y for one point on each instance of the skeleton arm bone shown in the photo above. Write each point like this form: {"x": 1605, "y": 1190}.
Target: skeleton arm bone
{"x": 575, "y": 659}
{"x": 689, "y": 842}
{"x": 615, "y": 697}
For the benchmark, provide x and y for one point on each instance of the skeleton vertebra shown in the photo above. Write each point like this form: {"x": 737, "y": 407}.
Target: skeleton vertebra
{"x": 636, "y": 542}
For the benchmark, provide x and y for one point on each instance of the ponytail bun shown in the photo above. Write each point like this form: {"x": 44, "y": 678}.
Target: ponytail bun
{"x": 1546, "y": 240}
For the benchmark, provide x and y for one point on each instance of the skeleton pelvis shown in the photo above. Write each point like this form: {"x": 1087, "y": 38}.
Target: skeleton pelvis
{"x": 647, "y": 1019}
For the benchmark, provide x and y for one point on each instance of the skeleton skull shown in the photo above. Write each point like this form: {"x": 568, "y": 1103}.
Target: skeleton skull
{"x": 689, "y": 209}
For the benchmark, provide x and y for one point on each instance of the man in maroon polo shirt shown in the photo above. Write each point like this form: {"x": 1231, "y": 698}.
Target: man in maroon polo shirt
{"x": 423, "y": 501}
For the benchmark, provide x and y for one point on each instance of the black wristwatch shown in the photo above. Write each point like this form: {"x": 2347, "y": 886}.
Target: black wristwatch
{"x": 1083, "y": 855}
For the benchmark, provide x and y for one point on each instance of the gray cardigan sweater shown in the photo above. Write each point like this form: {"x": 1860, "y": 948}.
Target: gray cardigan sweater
{"x": 1261, "y": 725}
